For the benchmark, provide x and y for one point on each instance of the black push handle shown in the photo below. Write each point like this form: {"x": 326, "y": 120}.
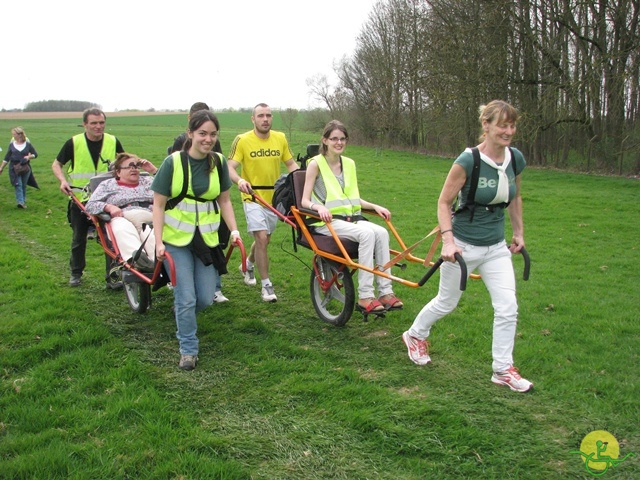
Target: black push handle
{"x": 527, "y": 263}
{"x": 436, "y": 265}
{"x": 431, "y": 271}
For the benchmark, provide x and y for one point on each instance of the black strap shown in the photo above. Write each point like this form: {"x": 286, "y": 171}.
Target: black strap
{"x": 172, "y": 202}
{"x": 470, "y": 204}
{"x": 349, "y": 218}
{"x": 138, "y": 204}
{"x": 184, "y": 158}
{"x": 138, "y": 253}
{"x": 473, "y": 187}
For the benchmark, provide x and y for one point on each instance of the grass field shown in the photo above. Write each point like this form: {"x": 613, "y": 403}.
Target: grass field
{"x": 89, "y": 389}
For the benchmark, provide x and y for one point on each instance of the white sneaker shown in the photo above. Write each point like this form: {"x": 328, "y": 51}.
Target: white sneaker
{"x": 220, "y": 298}
{"x": 418, "y": 349}
{"x": 248, "y": 276}
{"x": 268, "y": 295}
{"x": 512, "y": 379}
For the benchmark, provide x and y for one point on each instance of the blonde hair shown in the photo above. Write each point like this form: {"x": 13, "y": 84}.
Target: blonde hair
{"x": 17, "y": 131}
{"x": 497, "y": 110}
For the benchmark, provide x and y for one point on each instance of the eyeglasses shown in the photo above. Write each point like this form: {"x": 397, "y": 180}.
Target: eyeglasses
{"x": 137, "y": 166}
{"x": 338, "y": 139}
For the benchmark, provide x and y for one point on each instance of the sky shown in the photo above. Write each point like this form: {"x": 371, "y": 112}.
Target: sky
{"x": 166, "y": 55}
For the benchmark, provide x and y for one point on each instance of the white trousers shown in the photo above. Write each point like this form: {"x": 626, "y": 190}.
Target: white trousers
{"x": 373, "y": 243}
{"x": 495, "y": 266}
{"x": 130, "y": 234}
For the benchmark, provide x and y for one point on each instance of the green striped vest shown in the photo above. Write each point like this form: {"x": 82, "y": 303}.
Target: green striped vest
{"x": 180, "y": 222}
{"x": 339, "y": 202}
{"x": 82, "y": 169}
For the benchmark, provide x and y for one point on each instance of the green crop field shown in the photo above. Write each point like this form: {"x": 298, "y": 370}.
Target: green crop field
{"x": 91, "y": 390}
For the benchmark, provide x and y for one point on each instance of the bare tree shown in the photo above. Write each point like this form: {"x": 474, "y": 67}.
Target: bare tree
{"x": 383, "y": 77}
{"x": 320, "y": 88}
{"x": 288, "y": 117}
{"x": 421, "y": 68}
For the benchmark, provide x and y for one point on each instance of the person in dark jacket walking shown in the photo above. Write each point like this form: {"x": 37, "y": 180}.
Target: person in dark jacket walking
{"x": 18, "y": 156}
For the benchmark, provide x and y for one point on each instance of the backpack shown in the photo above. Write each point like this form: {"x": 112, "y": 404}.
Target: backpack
{"x": 177, "y": 144}
{"x": 223, "y": 230}
{"x": 283, "y": 193}
{"x": 283, "y": 199}
{"x": 473, "y": 186}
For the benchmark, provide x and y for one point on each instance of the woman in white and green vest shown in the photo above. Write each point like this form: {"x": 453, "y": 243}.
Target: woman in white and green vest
{"x": 331, "y": 189}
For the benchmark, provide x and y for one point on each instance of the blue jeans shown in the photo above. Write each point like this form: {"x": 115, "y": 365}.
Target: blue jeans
{"x": 21, "y": 187}
{"x": 194, "y": 291}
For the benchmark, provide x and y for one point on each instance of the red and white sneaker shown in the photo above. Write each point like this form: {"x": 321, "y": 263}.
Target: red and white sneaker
{"x": 418, "y": 349}
{"x": 512, "y": 379}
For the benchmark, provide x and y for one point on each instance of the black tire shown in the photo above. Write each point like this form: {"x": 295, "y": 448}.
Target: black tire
{"x": 138, "y": 295}
{"x": 335, "y": 306}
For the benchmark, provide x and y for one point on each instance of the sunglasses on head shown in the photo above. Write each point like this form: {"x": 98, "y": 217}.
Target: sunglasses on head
{"x": 132, "y": 165}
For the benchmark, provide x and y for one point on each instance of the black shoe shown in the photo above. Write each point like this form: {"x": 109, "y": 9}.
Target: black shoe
{"x": 114, "y": 285}
{"x": 74, "y": 281}
{"x": 91, "y": 233}
{"x": 144, "y": 264}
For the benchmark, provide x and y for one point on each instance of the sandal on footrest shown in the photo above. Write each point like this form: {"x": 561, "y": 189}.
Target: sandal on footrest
{"x": 374, "y": 306}
{"x": 391, "y": 302}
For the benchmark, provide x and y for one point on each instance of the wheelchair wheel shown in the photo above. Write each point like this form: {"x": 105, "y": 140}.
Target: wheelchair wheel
{"x": 138, "y": 295}
{"x": 332, "y": 291}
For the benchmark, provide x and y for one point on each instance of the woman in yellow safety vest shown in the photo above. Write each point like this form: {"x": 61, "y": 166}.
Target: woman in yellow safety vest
{"x": 331, "y": 189}
{"x": 189, "y": 230}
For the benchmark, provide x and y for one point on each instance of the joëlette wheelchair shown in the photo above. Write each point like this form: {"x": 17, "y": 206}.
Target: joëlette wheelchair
{"x": 335, "y": 259}
{"x": 137, "y": 282}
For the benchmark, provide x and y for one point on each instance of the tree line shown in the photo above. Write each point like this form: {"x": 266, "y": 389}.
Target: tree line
{"x": 421, "y": 69}
{"x": 59, "y": 106}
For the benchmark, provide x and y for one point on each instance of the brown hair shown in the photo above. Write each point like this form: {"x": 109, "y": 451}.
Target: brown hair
{"x": 196, "y": 107}
{"x": 198, "y": 119}
{"x": 261, "y": 105}
{"x": 92, "y": 111}
{"x": 120, "y": 159}
{"x": 328, "y": 128}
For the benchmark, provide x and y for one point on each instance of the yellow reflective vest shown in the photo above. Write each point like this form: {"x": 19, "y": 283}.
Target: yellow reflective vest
{"x": 343, "y": 203}
{"x": 180, "y": 223}
{"x": 82, "y": 169}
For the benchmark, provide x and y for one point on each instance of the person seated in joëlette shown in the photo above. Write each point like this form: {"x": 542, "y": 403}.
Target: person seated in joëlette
{"x": 331, "y": 189}
{"x": 128, "y": 199}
